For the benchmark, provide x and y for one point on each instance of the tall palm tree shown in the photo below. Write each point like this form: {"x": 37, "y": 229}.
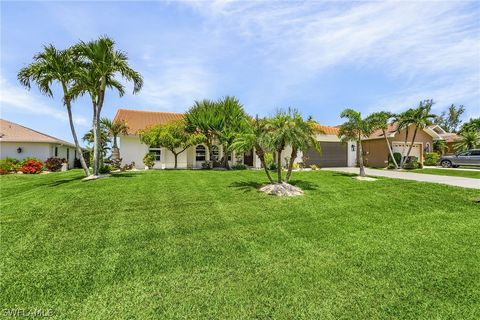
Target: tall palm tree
{"x": 468, "y": 140}
{"x": 254, "y": 138}
{"x": 114, "y": 129}
{"x": 49, "y": 66}
{"x": 102, "y": 64}
{"x": 420, "y": 118}
{"x": 356, "y": 128}
{"x": 380, "y": 121}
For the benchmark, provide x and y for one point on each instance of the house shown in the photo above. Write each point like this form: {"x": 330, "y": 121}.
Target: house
{"x": 19, "y": 142}
{"x": 335, "y": 153}
{"x": 375, "y": 150}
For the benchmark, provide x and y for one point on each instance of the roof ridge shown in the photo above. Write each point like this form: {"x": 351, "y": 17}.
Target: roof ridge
{"x": 172, "y": 112}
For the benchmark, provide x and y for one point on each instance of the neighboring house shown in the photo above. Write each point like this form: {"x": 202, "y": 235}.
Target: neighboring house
{"x": 20, "y": 142}
{"x": 132, "y": 149}
{"x": 376, "y": 151}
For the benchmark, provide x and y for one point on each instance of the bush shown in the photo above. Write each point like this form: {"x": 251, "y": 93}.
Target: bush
{"x": 239, "y": 166}
{"x": 272, "y": 166}
{"x": 207, "y": 165}
{"x": 431, "y": 158}
{"x": 9, "y": 165}
{"x": 397, "y": 156}
{"x": 411, "y": 163}
{"x": 32, "y": 167}
{"x": 295, "y": 166}
{"x": 105, "y": 169}
{"x": 54, "y": 164}
{"x": 149, "y": 160}
{"x": 314, "y": 167}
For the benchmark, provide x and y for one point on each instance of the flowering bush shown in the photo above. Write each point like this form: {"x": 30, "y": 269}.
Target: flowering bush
{"x": 9, "y": 165}
{"x": 31, "y": 167}
{"x": 54, "y": 164}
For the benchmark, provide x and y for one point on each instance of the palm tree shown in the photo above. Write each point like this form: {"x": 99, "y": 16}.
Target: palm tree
{"x": 380, "y": 121}
{"x": 440, "y": 146}
{"x": 89, "y": 138}
{"x": 102, "y": 63}
{"x": 254, "y": 138}
{"x": 114, "y": 129}
{"x": 202, "y": 118}
{"x": 355, "y": 129}
{"x": 420, "y": 118}
{"x": 52, "y": 65}
{"x": 468, "y": 140}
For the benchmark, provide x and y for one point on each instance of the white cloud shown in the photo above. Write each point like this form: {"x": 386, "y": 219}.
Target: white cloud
{"x": 20, "y": 99}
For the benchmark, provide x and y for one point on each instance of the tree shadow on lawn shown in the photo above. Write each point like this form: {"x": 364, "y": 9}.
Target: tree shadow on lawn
{"x": 59, "y": 182}
{"x": 248, "y": 186}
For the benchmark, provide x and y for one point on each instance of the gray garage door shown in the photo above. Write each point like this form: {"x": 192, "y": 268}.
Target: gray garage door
{"x": 334, "y": 154}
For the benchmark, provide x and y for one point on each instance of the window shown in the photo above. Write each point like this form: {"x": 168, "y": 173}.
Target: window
{"x": 464, "y": 153}
{"x": 56, "y": 151}
{"x": 68, "y": 154}
{"x": 200, "y": 153}
{"x": 427, "y": 147}
{"x": 475, "y": 153}
{"x": 157, "y": 152}
{"x": 215, "y": 153}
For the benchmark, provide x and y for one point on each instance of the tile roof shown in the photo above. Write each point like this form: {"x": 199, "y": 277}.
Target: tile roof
{"x": 138, "y": 120}
{"x": 450, "y": 137}
{"x": 13, "y": 132}
{"x": 392, "y": 129}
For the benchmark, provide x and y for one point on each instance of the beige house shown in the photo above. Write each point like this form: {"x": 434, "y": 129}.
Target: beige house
{"x": 376, "y": 151}
{"x": 335, "y": 153}
{"x": 19, "y": 142}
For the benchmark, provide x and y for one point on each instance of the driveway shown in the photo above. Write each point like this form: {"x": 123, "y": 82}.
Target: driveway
{"x": 453, "y": 181}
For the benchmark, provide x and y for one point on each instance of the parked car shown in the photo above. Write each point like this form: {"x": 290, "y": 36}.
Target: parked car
{"x": 464, "y": 158}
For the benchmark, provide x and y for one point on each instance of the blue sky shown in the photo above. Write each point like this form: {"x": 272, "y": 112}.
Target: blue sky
{"x": 319, "y": 57}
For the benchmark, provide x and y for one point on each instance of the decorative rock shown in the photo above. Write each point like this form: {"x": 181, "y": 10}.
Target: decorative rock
{"x": 282, "y": 190}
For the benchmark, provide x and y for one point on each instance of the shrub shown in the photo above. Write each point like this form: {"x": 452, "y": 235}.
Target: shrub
{"x": 239, "y": 166}
{"x": 207, "y": 165}
{"x": 149, "y": 160}
{"x": 411, "y": 163}
{"x": 397, "y": 156}
{"x": 9, "y": 165}
{"x": 54, "y": 164}
{"x": 314, "y": 167}
{"x": 128, "y": 166}
{"x": 25, "y": 160}
{"x": 431, "y": 158}
{"x": 32, "y": 167}
{"x": 295, "y": 166}
{"x": 272, "y": 166}
{"x": 104, "y": 169}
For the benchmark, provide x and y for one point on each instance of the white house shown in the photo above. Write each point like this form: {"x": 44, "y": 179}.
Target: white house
{"x": 334, "y": 154}
{"x": 20, "y": 142}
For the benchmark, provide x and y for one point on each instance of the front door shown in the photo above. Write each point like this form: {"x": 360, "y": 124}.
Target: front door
{"x": 248, "y": 158}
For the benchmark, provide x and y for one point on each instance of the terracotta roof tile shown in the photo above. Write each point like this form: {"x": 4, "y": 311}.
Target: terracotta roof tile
{"x": 138, "y": 120}
{"x": 13, "y": 132}
{"x": 328, "y": 130}
{"x": 450, "y": 137}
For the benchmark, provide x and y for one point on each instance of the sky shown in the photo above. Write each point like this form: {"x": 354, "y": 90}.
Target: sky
{"x": 318, "y": 57}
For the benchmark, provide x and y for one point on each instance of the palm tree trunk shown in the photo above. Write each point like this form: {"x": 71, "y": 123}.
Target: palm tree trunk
{"x": 390, "y": 149}
{"x": 360, "y": 156}
{"x": 75, "y": 138}
{"x": 225, "y": 157}
{"x": 261, "y": 155}
{"x": 290, "y": 163}
{"x": 279, "y": 166}
{"x": 96, "y": 143}
{"x": 402, "y": 162}
{"x": 411, "y": 145}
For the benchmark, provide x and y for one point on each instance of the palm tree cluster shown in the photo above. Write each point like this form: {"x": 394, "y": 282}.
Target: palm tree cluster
{"x": 86, "y": 68}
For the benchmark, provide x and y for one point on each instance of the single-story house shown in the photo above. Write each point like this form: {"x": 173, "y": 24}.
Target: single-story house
{"x": 19, "y": 142}
{"x": 375, "y": 150}
{"x": 335, "y": 153}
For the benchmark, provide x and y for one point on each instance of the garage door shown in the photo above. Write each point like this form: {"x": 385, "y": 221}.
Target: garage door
{"x": 334, "y": 154}
{"x": 403, "y": 149}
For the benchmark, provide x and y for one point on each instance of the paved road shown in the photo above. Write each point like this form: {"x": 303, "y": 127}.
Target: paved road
{"x": 453, "y": 181}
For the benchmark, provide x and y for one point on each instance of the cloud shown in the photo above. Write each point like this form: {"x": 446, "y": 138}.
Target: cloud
{"x": 26, "y": 102}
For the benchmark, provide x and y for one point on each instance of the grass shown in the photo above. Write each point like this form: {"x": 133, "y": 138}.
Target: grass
{"x": 206, "y": 244}
{"x": 449, "y": 172}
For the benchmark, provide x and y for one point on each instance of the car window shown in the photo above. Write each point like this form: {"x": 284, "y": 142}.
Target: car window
{"x": 475, "y": 153}
{"x": 464, "y": 153}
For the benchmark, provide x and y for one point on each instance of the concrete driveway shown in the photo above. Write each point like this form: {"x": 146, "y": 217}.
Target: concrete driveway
{"x": 453, "y": 181}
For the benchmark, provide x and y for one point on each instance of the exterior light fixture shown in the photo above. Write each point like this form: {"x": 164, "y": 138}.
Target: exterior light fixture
{"x": 352, "y": 147}
{"x": 19, "y": 150}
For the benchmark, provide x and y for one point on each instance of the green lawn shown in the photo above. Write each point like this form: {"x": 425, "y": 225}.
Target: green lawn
{"x": 450, "y": 172}
{"x": 206, "y": 244}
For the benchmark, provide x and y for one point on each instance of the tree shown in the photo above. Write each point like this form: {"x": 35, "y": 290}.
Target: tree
{"x": 355, "y": 128}
{"x": 254, "y": 137}
{"x": 114, "y": 129}
{"x": 380, "y": 121}
{"x": 450, "y": 120}
{"x": 104, "y": 140}
{"x": 472, "y": 125}
{"x": 102, "y": 63}
{"x": 52, "y": 65}
{"x": 173, "y": 136}
{"x": 440, "y": 146}
{"x": 201, "y": 118}
{"x": 468, "y": 140}
{"x": 420, "y": 118}
{"x": 231, "y": 120}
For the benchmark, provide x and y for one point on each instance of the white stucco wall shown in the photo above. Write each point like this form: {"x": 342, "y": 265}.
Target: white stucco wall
{"x": 39, "y": 150}
{"x": 132, "y": 149}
